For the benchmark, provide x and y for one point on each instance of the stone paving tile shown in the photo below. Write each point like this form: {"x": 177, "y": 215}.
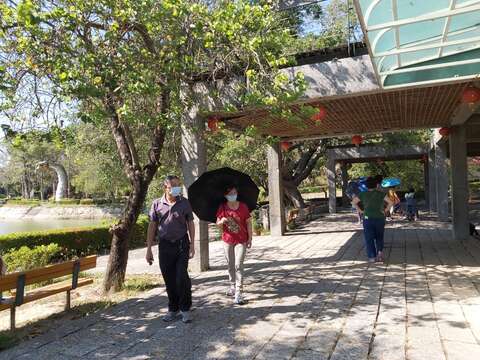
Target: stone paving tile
{"x": 311, "y": 296}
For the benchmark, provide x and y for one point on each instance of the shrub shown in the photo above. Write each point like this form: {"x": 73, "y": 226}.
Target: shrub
{"x": 75, "y": 241}
{"x": 17, "y": 201}
{"x": 87, "y": 202}
{"x": 311, "y": 189}
{"x": 101, "y": 201}
{"x": 67, "y": 202}
{"x": 26, "y": 258}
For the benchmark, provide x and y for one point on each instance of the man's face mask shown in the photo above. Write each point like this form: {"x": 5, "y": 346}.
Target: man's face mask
{"x": 175, "y": 191}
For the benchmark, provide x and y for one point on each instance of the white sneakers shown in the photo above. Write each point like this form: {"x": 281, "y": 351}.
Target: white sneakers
{"x": 230, "y": 291}
{"x": 239, "y": 300}
{"x": 237, "y": 296}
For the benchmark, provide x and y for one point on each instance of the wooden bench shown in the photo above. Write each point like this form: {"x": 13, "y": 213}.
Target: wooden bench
{"x": 17, "y": 282}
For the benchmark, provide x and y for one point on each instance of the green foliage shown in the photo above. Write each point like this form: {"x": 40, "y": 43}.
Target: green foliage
{"x": 8, "y": 339}
{"x": 333, "y": 29}
{"x": 409, "y": 172}
{"x": 311, "y": 189}
{"x": 26, "y": 258}
{"x": 134, "y": 285}
{"x": 255, "y": 223}
{"x": 87, "y": 202}
{"x": 25, "y": 150}
{"x": 67, "y": 202}
{"x": 246, "y": 154}
{"x": 32, "y": 202}
{"x": 158, "y": 46}
{"x": 97, "y": 169}
{"x": 79, "y": 242}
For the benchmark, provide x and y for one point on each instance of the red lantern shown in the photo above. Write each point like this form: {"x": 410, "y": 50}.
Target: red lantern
{"x": 357, "y": 140}
{"x": 471, "y": 95}
{"x": 285, "y": 145}
{"x": 212, "y": 124}
{"x": 444, "y": 131}
{"x": 320, "y": 115}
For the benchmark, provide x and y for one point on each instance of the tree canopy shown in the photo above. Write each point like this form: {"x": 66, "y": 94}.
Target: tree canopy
{"x": 141, "y": 67}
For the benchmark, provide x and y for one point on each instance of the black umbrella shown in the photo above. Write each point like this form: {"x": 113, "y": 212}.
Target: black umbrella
{"x": 208, "y": 192}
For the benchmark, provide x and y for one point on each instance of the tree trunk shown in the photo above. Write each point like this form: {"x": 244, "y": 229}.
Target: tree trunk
{"x": 295, "y": 171}
{"x": 293, "y": 194}
{"x": 140, "y": 179}
{"x": 121, "y": 232}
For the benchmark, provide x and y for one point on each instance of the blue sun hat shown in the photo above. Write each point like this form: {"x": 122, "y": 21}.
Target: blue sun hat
{"x": 391, "y": 182}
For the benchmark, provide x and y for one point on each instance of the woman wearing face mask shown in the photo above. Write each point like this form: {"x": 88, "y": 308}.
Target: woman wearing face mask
{"x": 234, "y": 218}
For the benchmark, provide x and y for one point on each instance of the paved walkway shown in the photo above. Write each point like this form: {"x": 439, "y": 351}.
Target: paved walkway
{"x": 311, "y": 296}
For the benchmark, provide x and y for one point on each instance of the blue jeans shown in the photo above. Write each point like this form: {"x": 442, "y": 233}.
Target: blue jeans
{"x": 374, "y": 230}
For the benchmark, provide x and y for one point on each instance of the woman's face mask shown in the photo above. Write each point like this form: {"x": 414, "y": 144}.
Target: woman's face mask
{"x": 231, "y": 197}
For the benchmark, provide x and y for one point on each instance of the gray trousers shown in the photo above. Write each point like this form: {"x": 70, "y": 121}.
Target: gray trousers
{"x": 235, "y": 255}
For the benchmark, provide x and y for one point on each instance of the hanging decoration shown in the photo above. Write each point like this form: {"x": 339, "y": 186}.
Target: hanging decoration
{"x": 212, "y": 124}
{"x": 444, "y": 131}
{"x": 285, "y": 145}
{"x": 471, "y": 95}
{"x": 320, "y": 115}
{"x": 357, "y": 140}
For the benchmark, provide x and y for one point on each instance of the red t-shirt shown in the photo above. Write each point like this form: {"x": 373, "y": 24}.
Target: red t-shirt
{"x": 236, "y": 232}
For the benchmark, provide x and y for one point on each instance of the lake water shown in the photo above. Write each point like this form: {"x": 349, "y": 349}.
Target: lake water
{"x": 10, "y": 226}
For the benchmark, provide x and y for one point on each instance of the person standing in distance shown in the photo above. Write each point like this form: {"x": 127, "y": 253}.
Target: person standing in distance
{"x": 171, "y": 223}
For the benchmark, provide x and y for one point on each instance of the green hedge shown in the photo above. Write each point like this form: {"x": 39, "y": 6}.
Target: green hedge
{"x": 87, "y": 202}
{"x": 74, "y": 241}
{"x": 51, "y": 201}
{"x": 67, "y": 202}
{"x": 23, "y": 202}
{"x": 24, "y": 258}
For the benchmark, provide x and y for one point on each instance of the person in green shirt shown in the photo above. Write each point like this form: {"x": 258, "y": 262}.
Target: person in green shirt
{"x": 373, "y": 204}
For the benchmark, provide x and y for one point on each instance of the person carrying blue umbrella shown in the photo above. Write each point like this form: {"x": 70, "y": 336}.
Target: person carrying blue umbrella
{"x": 373, "y": 204}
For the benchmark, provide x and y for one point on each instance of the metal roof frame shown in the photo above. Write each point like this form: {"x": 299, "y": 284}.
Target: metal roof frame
{"x": 388, "y": 23}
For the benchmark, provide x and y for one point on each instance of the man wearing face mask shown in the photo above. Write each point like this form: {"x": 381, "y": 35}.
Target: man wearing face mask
{"x": 171, "y": 223}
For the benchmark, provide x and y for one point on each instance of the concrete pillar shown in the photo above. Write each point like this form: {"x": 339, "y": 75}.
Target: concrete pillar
{"x": 275, "y": 191}
{"x": 426, "y": 184}
{"x": 265, "y": 218}
{"x": 459, "y": 175}
{"x": 441, "y": 177}
{"x": 194, "y": 163}
{"x": 345, "y": 199}
{"x": 332, "y": 191}
{"x": 432, "y": 181}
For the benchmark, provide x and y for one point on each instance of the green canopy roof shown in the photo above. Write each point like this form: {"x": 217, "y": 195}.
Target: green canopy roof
{"x": 422, "y": 41}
